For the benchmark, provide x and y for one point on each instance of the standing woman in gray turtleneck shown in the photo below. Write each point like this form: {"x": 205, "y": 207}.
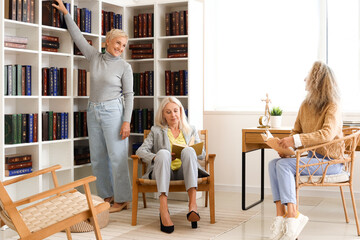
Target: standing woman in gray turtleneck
{"x": 109, "y": 112}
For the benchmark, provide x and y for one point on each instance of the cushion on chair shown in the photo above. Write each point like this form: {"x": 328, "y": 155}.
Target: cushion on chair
{"x": 57, "y": 209}
{"x": 334, "y": 178}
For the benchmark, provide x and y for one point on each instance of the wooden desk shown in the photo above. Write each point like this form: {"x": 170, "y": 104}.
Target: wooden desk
{"x": 251, "y": 141}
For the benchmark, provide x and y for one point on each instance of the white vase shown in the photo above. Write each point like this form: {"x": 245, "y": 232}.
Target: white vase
{"x": 275, "y": 121}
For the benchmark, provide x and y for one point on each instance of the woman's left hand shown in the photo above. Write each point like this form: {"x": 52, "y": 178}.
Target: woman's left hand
{"x": 287, "y": 142}
{"x": 125, "y": 130}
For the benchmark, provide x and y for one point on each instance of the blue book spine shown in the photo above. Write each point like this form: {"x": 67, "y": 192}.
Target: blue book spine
{"x": 55, "y": 79}
{"x": 186, "y": 82}
{"x": 5, "y": 80}
{"x": 30, "y": 127}
{"x": 89, "y": 21}
{"x": 19, "y": 171}
{"x": 62, "y": 120}
{"x": 28, "y": 80}
{"x": 66, "y": 120}
{"x": 51, "y": 82}
{"x": 120, "y": 21}
{"x": 67, "y": 5}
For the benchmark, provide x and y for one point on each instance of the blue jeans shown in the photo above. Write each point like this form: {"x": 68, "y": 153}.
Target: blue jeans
{"x": 108, "y": 152}
{"x": 282, "y": 176}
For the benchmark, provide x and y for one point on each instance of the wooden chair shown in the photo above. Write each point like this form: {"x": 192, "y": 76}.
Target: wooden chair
{"x": 349, "y": 143}
{"x": 143, "y": 186}
{"x": 51, "y": 211}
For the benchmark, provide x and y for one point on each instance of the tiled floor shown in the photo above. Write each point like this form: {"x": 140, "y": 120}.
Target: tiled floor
{"x": 326, "y": 216}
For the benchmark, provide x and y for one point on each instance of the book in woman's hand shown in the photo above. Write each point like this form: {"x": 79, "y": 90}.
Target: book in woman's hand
{"x": 273, "y": 142}
{"x": 177, "y": 148}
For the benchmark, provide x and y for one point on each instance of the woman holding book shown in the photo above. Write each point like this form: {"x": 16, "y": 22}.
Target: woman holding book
{"x": 109, "y": 112}
{"x": 171, "y": 127}
{"x": 318, "y": 121}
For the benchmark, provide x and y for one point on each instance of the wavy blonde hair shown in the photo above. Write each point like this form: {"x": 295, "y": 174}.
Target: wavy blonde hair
{"x": 161, "y": 121}
{"x": 321, "y": 86}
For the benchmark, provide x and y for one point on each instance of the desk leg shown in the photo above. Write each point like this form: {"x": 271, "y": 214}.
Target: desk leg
{"x": 243, "y": 185}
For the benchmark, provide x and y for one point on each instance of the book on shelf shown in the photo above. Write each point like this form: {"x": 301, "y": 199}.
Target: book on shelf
{"x": 80, "y": 124}
{"x": 18, "y": 80}
{"x": 17, "y": 158}
{"x": 144, "y": 83}
{"x": 141, "y": 51}
{"x": 19, "y": 128}
{"x": 82, "y": 18}
{"x": 110, "y": 20}
{"x": 81, "y": 155}
{"x": 143, "y": 25}
{"x": 15, "y": 39}
{"x": 177, "y": 148}
{"x": 22, "y": 164}
{"x": 50, "y": 43}
{"x": 55, "y": 125}
{"x": 176, "y": 23}
{"x": 15, "y": 45}
{"x": 20, "y": 10}
{"x": 77, "y": 50}
{"x": 177, "y": 50}
{"x": 54, "y": 81}
{"x": 81, "y": 82}
{"x": 142, "y": 118}
{"x": 273, "y": 142}
{"x": 20, "y": 171}
{"x": 176, "y": 83}
{"x": 53, "y": 17}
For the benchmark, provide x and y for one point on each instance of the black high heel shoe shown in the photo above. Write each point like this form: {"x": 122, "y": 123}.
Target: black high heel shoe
{"x": 193, "y": 217}
{"x": 166, "y": 229}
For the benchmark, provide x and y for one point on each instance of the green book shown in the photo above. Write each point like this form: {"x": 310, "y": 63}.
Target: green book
{"x": 51, "y": 117}
{"x": 18, "y": 79}
{"x": 8, "y": 129}
{"x": 18, "y": 127}
{"x": 13, "y": 80}
{"x": 14, "y": 132}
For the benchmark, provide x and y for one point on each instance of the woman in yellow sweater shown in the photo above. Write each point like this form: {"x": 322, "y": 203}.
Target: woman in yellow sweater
{"x": 318, "y": 121}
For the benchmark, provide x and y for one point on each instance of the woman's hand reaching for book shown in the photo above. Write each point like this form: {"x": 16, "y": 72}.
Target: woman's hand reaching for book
{"x": 60, "y": 6}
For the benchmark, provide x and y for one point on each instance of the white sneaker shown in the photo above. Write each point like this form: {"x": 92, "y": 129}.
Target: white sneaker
{"x": 294, "y": 226}
{"x": 276, "y": 229}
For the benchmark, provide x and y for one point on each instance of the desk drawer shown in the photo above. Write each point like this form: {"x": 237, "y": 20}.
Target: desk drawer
{"x": 256, "y": 137}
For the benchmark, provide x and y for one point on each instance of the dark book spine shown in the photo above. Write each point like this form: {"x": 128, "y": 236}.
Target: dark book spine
{"x": 59, "y": 126}
{"x": 181, "y": 83}
{"x": 51, "y": 118}
{"x": 151, "y": 83}
{"x": 49, "y": 49}
{"x": 18, "y": 79}
{"x": 182, "y": 22}
{"x": 50, "y": 44}
{"x": 19, "y": 10}
{"x": 24, "y": 136}
{"x": 45, "y": 126}
{"x": 144, "y": 25}
{"x": 178, "y": 45}
{"x": 140, "y": 46}
{"x": 35, "y": 131}
{"x": 167, "y": 82}
{"x": 54, "y": 126}
{"x": 167, "y": 24}
{"x": 9, "y": 128}
{"x": 9, "y": 80}
{"x": 63, "y": 72}
{"x": 12, "y": 9}
{"x": 176, "y": 83}
{"x": 18, "y": 165}
{"x": 185, "y": 82}
{"x": 141, "y": 56}
{"x": 142, "y": 51}
{"x": 49, "y": 38}
{"x": 141, "y": 87}
{"x": 18, "y": 126}
{"x": 47, "y": 13}
{"x": 17, "y": 158}
{"x": 51, "y": 82}
{"x": 172, "y": 83}
{"x": 140, "y": 28}
{"x": 25, "y": 10}
{"x": 146, "y": 84}
{"x": 23, "y": 80}
{"x": 66, "y": 117}
{"x": 28, "y": 91}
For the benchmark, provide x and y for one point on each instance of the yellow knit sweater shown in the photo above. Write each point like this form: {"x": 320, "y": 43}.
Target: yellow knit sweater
{"x": 319, "y": 127}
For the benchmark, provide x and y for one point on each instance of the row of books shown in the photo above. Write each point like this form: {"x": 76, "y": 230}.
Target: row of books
{"x": 81, "y": 155}
{"x": 141, "y": 119}
{"x": 176, "y": 23}
{"x": 50, "y": 43}
{"x": 20, "y": 10}
{"x": 177, "y": 50}
{"x": 17, "y": 164}
{"x": 141, "y": 51}
{"x": 176, "y": 83}
{"x": 55, "y": 125}
{"x": 144, "y": 25}
{"x": 53, "y": 17}
{"x": 80, "y": 124}
{"x": 82, "y": 18}
{"x": 110, "y": 20}
{"x": 54, "y": 81}
{"x": 21, "y": 128}
{"x": 144, "y": 83}
{"x": 17, "y": 80}
{"x": 81, "y": 82}
{"x": 15, "y": 42}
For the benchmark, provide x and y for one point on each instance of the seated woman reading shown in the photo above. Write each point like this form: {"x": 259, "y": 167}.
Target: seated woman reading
{"x": 171, "y": 127}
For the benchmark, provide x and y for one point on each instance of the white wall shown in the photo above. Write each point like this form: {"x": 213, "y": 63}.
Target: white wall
{"x": 225, "y": 141}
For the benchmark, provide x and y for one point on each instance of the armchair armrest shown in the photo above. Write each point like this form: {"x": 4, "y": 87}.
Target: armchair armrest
{"x": 54, "y": 191}
{"x": 31, "y": 175}
{"x": 136, "y": 160}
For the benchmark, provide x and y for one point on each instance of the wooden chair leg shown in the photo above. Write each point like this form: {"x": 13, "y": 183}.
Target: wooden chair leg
{"x": 144, "y": 199}
{"x": 344, "y": 204}
{"x": 212, "y": 205}
{"x": 206, "y": 198}
{"x": 355, "y": 211}
{"x": 95, "y": 222}
{"x": 134, "y": 205}
{"x": 2, "y": 223}
{"x": 68, "y": 233}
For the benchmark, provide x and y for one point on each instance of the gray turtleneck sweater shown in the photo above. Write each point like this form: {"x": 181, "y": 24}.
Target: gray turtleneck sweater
{"x": 110, "y": 77}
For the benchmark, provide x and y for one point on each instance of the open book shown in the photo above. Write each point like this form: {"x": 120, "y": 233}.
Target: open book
{"x": 273, "y": 142}
{"x": 177, "y": 148}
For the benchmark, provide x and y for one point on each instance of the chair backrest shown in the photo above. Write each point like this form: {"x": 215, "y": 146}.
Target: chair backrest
{"x": 5, "y": 200}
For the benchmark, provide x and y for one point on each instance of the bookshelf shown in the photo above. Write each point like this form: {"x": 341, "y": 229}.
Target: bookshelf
{"x": 47, "y": 153}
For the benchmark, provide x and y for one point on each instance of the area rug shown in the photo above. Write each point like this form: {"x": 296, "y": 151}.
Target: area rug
{"x": 148, "y": 225}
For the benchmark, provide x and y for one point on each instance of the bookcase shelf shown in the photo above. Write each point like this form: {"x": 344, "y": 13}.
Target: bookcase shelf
{"x": 51, "y": 152}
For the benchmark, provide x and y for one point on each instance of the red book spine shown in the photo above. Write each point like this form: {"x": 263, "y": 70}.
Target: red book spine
{"x": 141, "y": 56}
{"x": 167, "y": 83}
{"x": 54, "y": 125}
{"x": 18, "y": 165}
{"x": 140, "y": 26}
{"x": 144, "y": 25}
{"x": 177, "y": 55}
{"x": 172, "y": 83}
{"x": 181, "y": 83}
{"x": 150, "y": 24}
{"x": 79, "y": 82}
{"x": 45, "y": 73}
{"x": 15, "y": 45}
{"x": 102, "y": 23}
{"x": 142, "y": 79}
{"x": 146, "y": 84}
{"x": 49, "y": 49}
{"x": 83, "y": 85}
{"x": 35, "y": 126}
{"x": 78, "y": 17}
{"x": 177, "y": 23}
{"x": 50, "y": 38}
{"x": 136, "y": 26}
{"x": 64, "y": 81}
{"x": 167, "y": 24}
{"x": 85, "y": 134}
{"x": 14, "y": 158}
{"x": 182, "y": 22}
{"x": 23, "y": 81}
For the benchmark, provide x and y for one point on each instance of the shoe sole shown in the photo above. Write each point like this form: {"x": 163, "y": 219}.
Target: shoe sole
{"x": 301, "y": 226}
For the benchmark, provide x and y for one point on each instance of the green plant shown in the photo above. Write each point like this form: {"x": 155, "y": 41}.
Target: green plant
{"x": 276, "y": 111}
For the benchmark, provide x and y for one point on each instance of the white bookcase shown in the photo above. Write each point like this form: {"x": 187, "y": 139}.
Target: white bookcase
{"x": 48, "y": 153}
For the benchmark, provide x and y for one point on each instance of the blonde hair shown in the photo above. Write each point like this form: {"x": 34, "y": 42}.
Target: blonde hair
{"x": 322, "y": 87}
{"x": 161, "y": 121}
{"x": 116, "y": 33}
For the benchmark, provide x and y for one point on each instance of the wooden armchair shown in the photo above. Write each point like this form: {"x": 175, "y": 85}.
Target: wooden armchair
{"x": 51, "y": 211}
{"x": 349, "y": 143}
{"x": 143, "y": 186}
